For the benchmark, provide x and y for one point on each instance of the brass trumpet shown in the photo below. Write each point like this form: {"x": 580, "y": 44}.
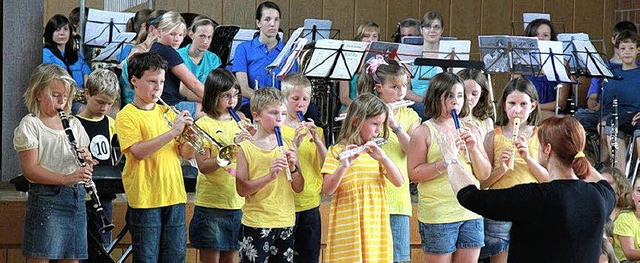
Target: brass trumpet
{"x": 393, "y": 105}
{"x": 226, "y": 153}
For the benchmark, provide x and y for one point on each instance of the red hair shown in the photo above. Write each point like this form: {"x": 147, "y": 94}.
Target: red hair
{"x": 567, "y": 138}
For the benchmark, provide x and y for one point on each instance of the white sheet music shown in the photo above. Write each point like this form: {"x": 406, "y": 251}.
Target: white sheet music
{"x": 552, "y": 66}
{"x": 97, "y": 29}
{"x": 324, "y": 55}
{"x": 112, "y": 50}
{"x": 594, "y": 63}
{"x": 287, "y": 47}
{"x": 455, "y": 50}
{"x": 567, "y": 47}
{"x": 299, "y": 45}
{"x": 323, "y": 28}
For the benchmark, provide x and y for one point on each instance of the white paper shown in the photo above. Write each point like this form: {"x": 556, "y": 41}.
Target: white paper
{"x": 528, "y": 17}
{"x": 594, "y": 63}
{"x": 323, "y": 29}
{"x": 455, "y": 50}
{"x": 112, "y": 50}
{"x": 553, "y": 64}
{"x": 99, "y": 29}
{"x": 507, "y": 53}
{"x": 324, "y": 55}
{"x": 299, "y": 45}
{"x": 568, "y": 48}
{"x": 286, "y": 49}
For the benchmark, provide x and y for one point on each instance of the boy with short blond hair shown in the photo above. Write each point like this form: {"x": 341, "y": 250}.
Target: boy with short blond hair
{"x": 101, "y": 91}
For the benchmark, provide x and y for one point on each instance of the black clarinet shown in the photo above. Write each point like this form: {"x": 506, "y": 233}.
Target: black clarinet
{"x": 614, "y": 133}
{"x": 89, "y": 186}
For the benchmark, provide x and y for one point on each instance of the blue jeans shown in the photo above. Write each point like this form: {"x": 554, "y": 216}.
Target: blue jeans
{"x": 158, "y": 234}
{"x": 308, "y": 232}
{"x": 496, "y": 237}
{"x": 447, "y": 237}
{"x": 401, "y": 238}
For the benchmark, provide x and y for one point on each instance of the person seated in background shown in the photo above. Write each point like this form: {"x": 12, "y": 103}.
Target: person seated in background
{"x": 196, "y": 55}
{"x": 543, "y": 29}
{"x": 590, "y": 117}
{"x": 625, "y": 87}
{"x": 408, "y": 27}
{"x": 626, "y": 230}
{"x": 58, "y": 49}
{"x": 367, "y": 32}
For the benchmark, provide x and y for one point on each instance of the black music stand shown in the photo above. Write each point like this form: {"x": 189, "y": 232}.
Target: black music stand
{"x": 221, "y": 44}
{"x": 551, "y": 64}
{"x": 334, "y": 60}
{"x": 591, "y": 63}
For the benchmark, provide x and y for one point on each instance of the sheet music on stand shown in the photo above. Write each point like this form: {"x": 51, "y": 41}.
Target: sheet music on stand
{"x": 291, "y": 59}
{"x": 589, "y": 60}
{"x": 316, "y": 29}
{"x": 335, "y": 59}
{"x": 567, "y": 47}
{"x": 111, "y": 52}
{"x": 454, "y": 50}
{"x": 550, "y": 61}
{"x": 103, "y": 27}
{"x": 286, "y": 49}
{"x": 405, "y": 54}
{"x": 221, "y": 42}
{"x": 507, "y": 54}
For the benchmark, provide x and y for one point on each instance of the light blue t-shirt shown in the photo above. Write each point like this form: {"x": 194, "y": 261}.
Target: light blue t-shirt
{"x": 78, "y": 69}
{"x": 209, "y": 62}
{"x": 422, "y": 78}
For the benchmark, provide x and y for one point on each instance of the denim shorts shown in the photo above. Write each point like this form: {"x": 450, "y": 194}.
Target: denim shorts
{"x": 55, "y": 225}
{"x": 215, "y": 229}
{"x": 158, "y": 234}
{"x": 307, "y": 234}
{"x": 189, "y": 106}
{"x": 446, "y": 238}
{"x": 496, "y": 237}
{"x": 401, "y": 238}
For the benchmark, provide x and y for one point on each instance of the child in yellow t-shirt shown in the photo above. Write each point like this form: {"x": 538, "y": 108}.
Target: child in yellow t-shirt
{"x": 309, "y": 140}
{"x": 359, "y": 229}
{"x": 389, "y": 81}
{"x": 215, "y": 226}
{"x": 268, "y": 215}
{"x": 152, "y": 175}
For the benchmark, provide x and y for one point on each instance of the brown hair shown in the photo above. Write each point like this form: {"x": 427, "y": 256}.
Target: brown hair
{"x": 363, "y": 107}
{"x": 522, "y": 85}
{"x": 363, "y": 28}
{"x": 484, "y": 108}
{"x": 441, "y": 84}
{"x": 567, "y": 138}
{"x": 623, "y": 192}
{"x": 383, "y": 73}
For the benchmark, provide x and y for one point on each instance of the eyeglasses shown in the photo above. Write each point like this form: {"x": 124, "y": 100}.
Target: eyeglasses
{"x": 228, "y": 96}
{"x": 435, "y": 27}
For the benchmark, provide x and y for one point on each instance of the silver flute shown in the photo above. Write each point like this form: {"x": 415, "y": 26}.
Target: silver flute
{"x": 393, "y": 105}
{"x": 348, "y": 153}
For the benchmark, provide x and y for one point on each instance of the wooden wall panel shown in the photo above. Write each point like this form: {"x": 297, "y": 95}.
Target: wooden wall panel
{"x": 468, "y": 24}
{"x": 178, "y": 6}
{"x": 441, "y": 6}
{"x": 52, "y": 7}
{"x": 211, "y": 8}
{"x": 561, "y": 14}
{"x": 239, "y": 12}
{"x": 342, "y": 14}
{"x": 496, "y": 17}
{"x": 14, "y": 255}
{"x": 301, "y": 10}
{"x": 372, "y": 10}
{"x": 399, "y": 10}
{"x": 585, "y": 21}
{"x": 520, "y": 7}
{"x": 3, "y": 255}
